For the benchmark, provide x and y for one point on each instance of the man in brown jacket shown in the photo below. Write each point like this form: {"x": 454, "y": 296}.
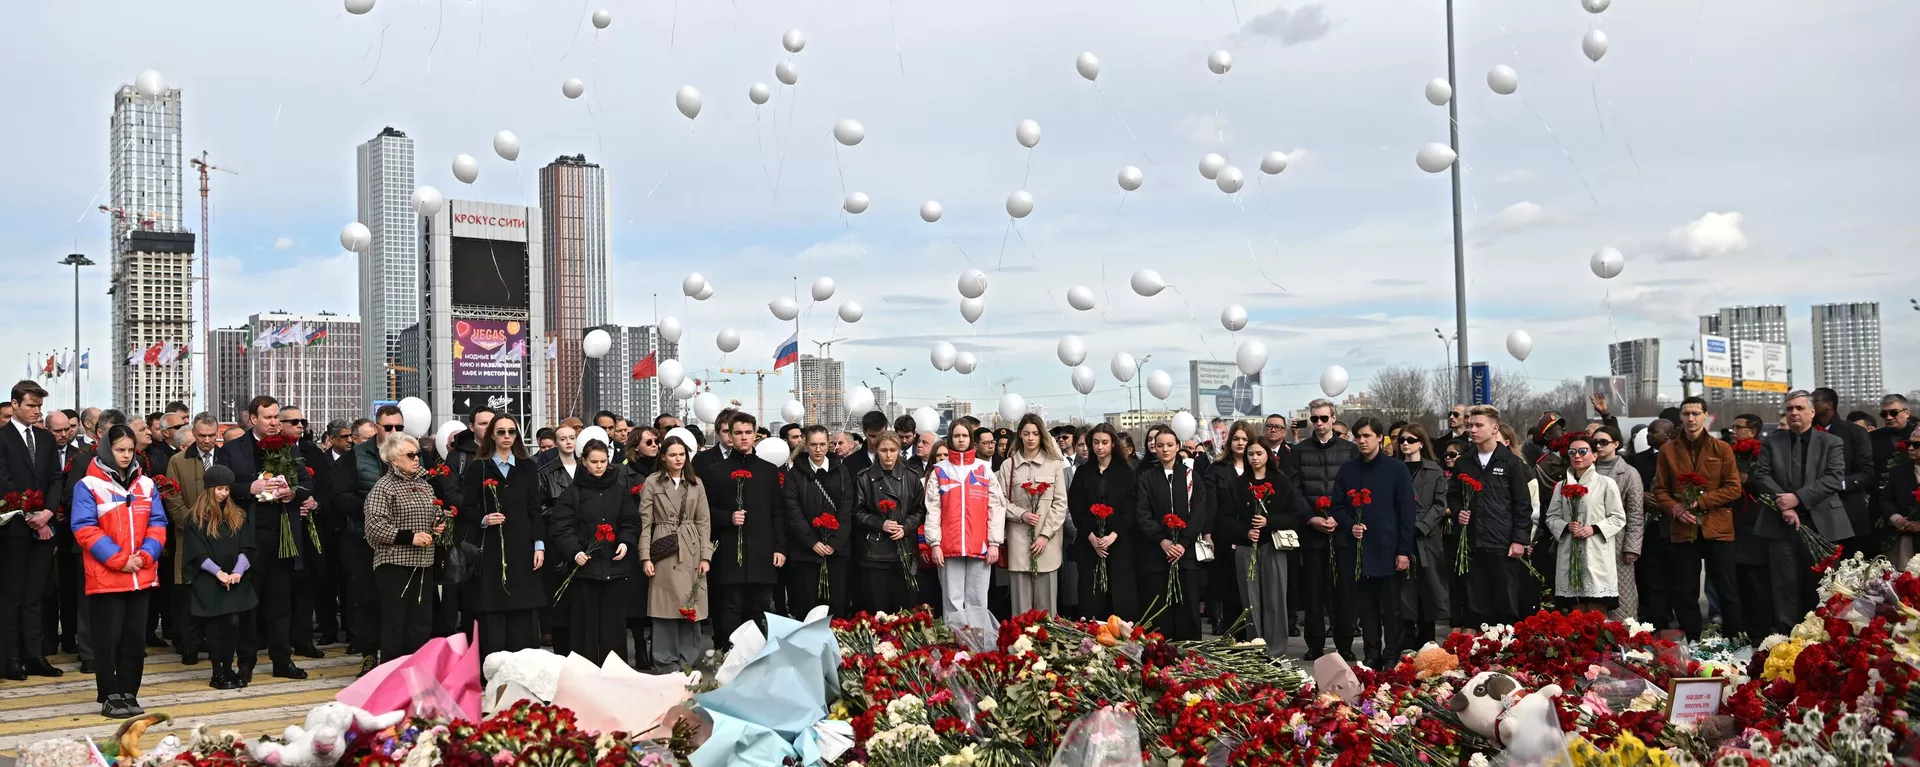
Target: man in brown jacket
{"x": 188, "y": 467}
{"x": 1696, "y": 452}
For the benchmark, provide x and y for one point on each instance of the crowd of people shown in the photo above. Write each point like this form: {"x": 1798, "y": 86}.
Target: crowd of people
{"x": 627, "y": 539}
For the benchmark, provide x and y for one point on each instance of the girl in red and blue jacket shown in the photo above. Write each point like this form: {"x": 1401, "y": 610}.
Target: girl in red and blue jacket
{"x": 121, "y": 525}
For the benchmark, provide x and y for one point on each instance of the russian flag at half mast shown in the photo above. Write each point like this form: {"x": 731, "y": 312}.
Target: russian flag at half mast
{"x": 788, "y": 352}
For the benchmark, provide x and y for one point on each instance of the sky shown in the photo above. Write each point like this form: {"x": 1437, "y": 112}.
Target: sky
{"x": 1748, "y": 153}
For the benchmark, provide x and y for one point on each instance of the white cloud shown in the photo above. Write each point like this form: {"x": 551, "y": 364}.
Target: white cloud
{"x": 1709, "y": 236}
{"x": 1291, "y": 27}
{"x": 283, "y": 244}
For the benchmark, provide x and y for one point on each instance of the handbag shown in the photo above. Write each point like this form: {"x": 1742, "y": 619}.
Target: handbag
{"x": 458, "y": 563}
{"x": 1203, "y": 550}
{"x": 667, "y": 546}
{"x": 1285, "y": 540}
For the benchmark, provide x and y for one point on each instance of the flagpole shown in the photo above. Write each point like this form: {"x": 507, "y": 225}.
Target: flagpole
{"x": 799, "y": 389}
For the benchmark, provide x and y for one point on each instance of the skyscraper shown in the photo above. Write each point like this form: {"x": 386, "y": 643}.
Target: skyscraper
{"x": 823, "y": 388}
{"x": 609, "y": 383}
{"x": 313, "y": 364}
{"x": 573, "y": 204}
{"x": 1638, "y": 361}
{"x": 152, "y": 265}
{"x": 229, "y": 348}
{"x": 390, "y": 295}
{"x": 1846, "y": 350}
{"x": 1767, "y": 324}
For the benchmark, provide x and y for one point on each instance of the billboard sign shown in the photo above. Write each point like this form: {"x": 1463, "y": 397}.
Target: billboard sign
{"x": 1716, "y": 362}
{"x": 489, "y": 352}
{"x": 1220, "y": 390}
{"x": 510, "y": 403}
{"x": 1482, "y": 381}
{"x": 1615, "y": 389}
{"x": 1763, "y": 366}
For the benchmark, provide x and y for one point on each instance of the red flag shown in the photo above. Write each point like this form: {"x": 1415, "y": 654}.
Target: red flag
{"x": 152, "y": 356}
{"x": 644, "y": 369}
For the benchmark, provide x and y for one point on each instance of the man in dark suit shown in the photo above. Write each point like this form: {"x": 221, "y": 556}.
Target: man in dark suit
{"x": 873, "y": 424}
{"x": 744, "y": 511}
{"x": 330, "y": 611}
{"x": 723, "y": 447}
{"x": 1802, "y": 469}
{"x": 1653, "y": 573}
{"x": 29, "y": 462}
{"x": 281, "y": 581}
{"x": 1896, "y": 422}
{"x": 1861, "y": 477}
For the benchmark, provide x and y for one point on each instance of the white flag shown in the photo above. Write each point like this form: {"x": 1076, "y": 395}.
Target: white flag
{"x": 134, "y": 358}
{"x": 263, "y": 339}
{"x": 168, "y": 353}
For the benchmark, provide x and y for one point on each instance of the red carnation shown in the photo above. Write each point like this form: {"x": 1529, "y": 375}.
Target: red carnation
{"x": 1322, "y": 503}
{"x": 1470, "y": 483}
{"x": 689, "y": 613}
{"x": 1173, "y": 522}
{"x": 637, "y": 487}
{"x": 1035, "y": 488}
{"x": 1573, "y": 490}
{"x": 741, "y": 474}
{"x": 1102, "y": 511}
{"x": 603, "y": 533}
{"x": 1262, "y": 491}
{"x": 886, "y": 506}
{"x": 490, "y": 483}
{"x": 1747, "y": 448}
{"x": 826, "y": 522}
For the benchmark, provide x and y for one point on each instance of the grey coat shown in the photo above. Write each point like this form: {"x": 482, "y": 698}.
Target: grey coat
{"x": 1818, "y": 491}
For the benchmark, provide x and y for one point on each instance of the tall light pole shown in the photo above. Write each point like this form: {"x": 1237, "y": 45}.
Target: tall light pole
{"x": 1140, "y": 380}
{"x": 893, "y": 390}
{"x": 1447, "y": 344}
{"x": 1461, "y": 385}
{"x": 76, "y": 260}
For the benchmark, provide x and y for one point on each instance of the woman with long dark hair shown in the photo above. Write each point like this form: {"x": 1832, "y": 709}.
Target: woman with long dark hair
{"x": 1227, "y": 472}
{"x": 216, "y": 545}
{"x": 120, "y": 524}
{"x": 676, "y": 552}
{"x": 555, "y": 477}
{"x": 1105, "y": 543}
{"x": 1423, "y": 598}
{"x": 1264, "y": 507}
{"x": 643, "y": 452}
{"x": 596, "y": 526}
{"x": 1173, "y": 508}
{"x": 502, "y": 515}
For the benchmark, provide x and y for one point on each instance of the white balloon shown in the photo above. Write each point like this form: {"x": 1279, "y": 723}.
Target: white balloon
{"x": 1233, "y": 318}
{"x": 773, "y": 451}
{"x": 971, "y": 309}
{"x": 1131, "y": 178}
{"x": 443, "y": 436}
{"x": 856, "y": 203}
{"x": 859, "y": 400}
{"x": 1080, "y": 297}
{"x": 786, "y": 72}
{"x": 1251, "y": 356}
{"x": 943, "y": 356}
{"x": 693, "y": 284}
{"x": 1083, "y": 379}
{"x": 1520, "y": 345}
{"x": 150, "y": 83}
{"x": 1019, "y": 204}
{"x": 1211, "y": 163}
{"x": 1273, "y": 163}
{"x": 851, "y": 312}
{"x": 973, "y": 283}
{"x": 784, "y": 308}
{"x": 930, "y": 211}
{"x": 1439, "y": 91}
{"x": 727, "y": 340}
{"x": 685, "y": 392}
{"x": 1159, "y": 384}
{"x": 506, "y": 145}
{"x": 964, "y": 362}
{"x": 706, "y": 292}
{"x": 685, "y": 434}
{"x": 359, "y": 7}
{"x": 687, "y": 100}
{"x": 1088, "y": 65}
{"x": 1607, "y": 263}
{"x": 1012, "y": 407}
{"x": 1435, "y": 157}
{"x": 849, "y": 132}
{"x": 572, "y": 88}
{"x": 1147, "y": 282}
{"x": 1219, "y": 62}
{"x": 926, "y": 419}
{"x": 822, "y": 289}
{"x": 1230, "y": 179}
{"x": 793, "y": 411}
{"x": 1184, "y": 426}
{"x": 602, "y": 19}
{"x": 466, "y": 168}
{"x": 1333, "y": 380}
{"x": 1503, "y": 80}
{"x": 416, "y": 417}
{"x": 355, "y": 237}
{"x": 1027, "y": 133}
{"x": 1122, "y": 367}
{"x": 1071, "y": 351}
{"x": 707, "y": 407}
{"x": 596, "y": 344}
{"x": 670, "y": 329}
{"x": 1594, "y": 45}
{"x": 1595, "y": 6}
{"x": 671, "y": 373}
{"x": 758, "y": 93}
{"x": 428, "y": 201}
{"x": 793, "y": 41}
{"x": 590, "y": 434}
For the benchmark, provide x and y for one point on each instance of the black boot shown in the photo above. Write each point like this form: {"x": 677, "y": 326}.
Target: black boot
{"x": 245, "y": 675}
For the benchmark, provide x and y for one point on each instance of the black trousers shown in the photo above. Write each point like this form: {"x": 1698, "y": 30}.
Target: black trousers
{"x": 192, "y": 633}
{"x": 118, "y": 623}
{"x": 362, "y": 597}
{"x": 802, "y": 580}
{"x": 25, "y": 566}
{"x": 447, "y": 616}
{"x": 229, "y": 636}
{"x": 1380, "y": 628}
{"x": 1223, "y": 604}
{"x": 884, "y": 586}
{"x": 1179, "y": 610}
{"x": 1771, "y": 598}
{"x": 285, "y": 614}
{"x": 597, "y": 618}
{"x": 1657, "y": 576}
{"x": 406, "y": 603}
{"x": 1718, "y": 556}
{"x": 1489, "y": 588}
{"x": 508, "y": 630}
{"x": 1329, "y": 601}
{"x": 69, "y": 583}
{"x": 332, "y": 608}
{"x": 737, "y": 603}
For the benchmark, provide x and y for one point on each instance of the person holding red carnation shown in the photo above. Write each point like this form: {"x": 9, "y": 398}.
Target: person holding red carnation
{"x": 1167, "y": 492}
{"x": 677, "y": 553}
{"x": 597, "y": 505}
{"x": 1374, "y": 503}
{"x": 1701, "y": 530}
{"x": 819, "y": 497}
{"x": 1585, "y": 516}
{"x": 500, "y": 513}
{"x": 1802, "y": 469}
{"x": 1264, "y": 512}
{"x": 281, "y": 577}
{"x": 1900, "y": 499}
{"x": 1106, "y": 480}
{"x": 1034, "y": 478}
{"x": 893, "y": 506}
{"x": 1496, "y": 520}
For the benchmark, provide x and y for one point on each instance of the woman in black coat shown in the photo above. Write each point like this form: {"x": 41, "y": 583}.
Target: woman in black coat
{"x": 502, "y": 516}
{"x": 642, "y": 457}
{"x": 819, "y": 486}
{"x": 1264, "y": 503}
{"x": 596, "y": 526}
{"x": 893, "y": 505}
{"x": 1107, "y": 479}
{"x": 1224, "y": 605}
{"x": 1168, "y": 487}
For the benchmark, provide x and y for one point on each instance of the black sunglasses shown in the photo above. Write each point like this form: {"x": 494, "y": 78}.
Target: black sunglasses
{"x": 1602, "y": 443}
{"x": 393, "y": 427}
{"x": 1321, "y": 418}
{"x": 1579, "y": 451}
{"x": 1409, "y": 440}
{"x": 506, "y": 432}
{"x": 292, "y": 421}
{"x": 1892, "y": 413}
{"x": 413, "y": 454}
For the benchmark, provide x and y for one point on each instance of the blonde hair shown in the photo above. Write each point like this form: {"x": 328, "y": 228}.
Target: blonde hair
{"x": 217, "y": 517}
{"x": 1489, "y": 411}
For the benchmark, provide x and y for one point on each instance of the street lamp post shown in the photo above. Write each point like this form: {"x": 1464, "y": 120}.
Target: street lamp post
{"x": 1140, "y": 380}
{"x": 76, "y": 260}
{"x": 893, "y": 390}
{"x": 1447, "y": 344}
{"x": 1461, "y": 384}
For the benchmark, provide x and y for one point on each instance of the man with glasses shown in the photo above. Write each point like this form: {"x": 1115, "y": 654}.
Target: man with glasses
{"x": 1319, "y": 459}
{"x": 1896, "y": 421}
{"x": 160, "y": 429}
{"x": 329, "y": 477}
{"x": 1701, "y": 530}
{"x": 1456, "y": 432}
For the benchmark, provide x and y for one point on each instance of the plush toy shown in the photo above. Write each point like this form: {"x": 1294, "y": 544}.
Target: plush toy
{"x": 325, "y": 737}
{"x": 1493, "y": 705}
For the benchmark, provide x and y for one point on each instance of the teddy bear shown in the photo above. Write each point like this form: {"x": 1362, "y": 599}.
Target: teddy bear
{"x": 1493, "y": 705}
{"x": 324, "y": 738}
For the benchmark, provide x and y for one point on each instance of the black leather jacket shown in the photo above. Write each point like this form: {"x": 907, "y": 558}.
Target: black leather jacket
{"x": 904, "y": 488}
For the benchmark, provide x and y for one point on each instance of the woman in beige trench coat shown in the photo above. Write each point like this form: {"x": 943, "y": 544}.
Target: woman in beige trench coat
{"x": 673, "y": 505}
{"x": 1034, "y": 519}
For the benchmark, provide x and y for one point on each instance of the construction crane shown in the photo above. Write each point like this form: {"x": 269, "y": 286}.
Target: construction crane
{"x": 206, "y": 271}
{"x": 146, "y": 221}
{"x": 759, "y": 389}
